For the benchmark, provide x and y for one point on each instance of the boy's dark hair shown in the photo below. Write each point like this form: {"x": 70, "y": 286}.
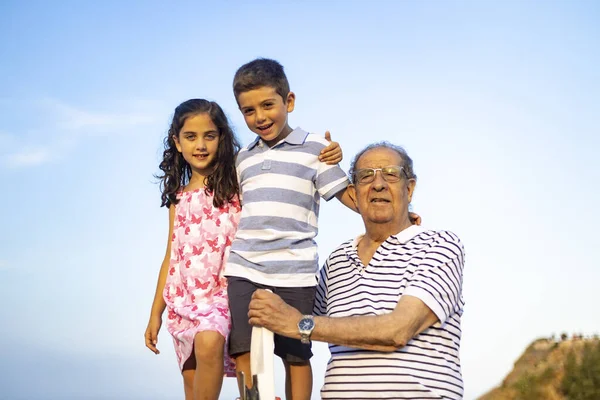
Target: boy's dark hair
{"x": 258, "y": 73}
{"x": 222, "y": 183}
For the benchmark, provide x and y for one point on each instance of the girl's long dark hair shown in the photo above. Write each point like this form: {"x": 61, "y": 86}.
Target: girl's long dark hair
{"x": 222, "y": 182}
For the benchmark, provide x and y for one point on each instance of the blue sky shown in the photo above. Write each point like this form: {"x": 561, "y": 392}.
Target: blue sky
{"x": 497, "y": 102}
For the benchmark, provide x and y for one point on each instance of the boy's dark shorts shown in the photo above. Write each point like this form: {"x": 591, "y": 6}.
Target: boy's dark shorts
{"x": 241, "y": 290}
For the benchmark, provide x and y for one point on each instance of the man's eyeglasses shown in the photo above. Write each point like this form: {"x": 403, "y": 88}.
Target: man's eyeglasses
{"x": 390, "y": 174}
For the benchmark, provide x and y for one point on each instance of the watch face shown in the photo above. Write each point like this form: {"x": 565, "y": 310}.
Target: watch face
{"x": 306, "y": 324}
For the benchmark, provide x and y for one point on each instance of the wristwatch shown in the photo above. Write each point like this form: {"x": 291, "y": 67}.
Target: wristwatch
{"x": 305, "y": 327}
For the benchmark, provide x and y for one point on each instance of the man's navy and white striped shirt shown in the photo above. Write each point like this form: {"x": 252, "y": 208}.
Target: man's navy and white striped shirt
{"x": 422, "y": 263}
{"x": 280, "y": 189}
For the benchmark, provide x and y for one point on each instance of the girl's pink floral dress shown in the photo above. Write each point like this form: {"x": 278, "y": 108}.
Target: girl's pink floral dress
{"x": 196, "y": 290}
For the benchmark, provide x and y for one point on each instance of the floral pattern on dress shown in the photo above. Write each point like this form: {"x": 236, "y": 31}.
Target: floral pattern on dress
{"x": 196, "y": 290}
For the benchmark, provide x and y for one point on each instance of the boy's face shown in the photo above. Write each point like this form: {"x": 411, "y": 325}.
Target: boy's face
{"x": 265, "y": 112}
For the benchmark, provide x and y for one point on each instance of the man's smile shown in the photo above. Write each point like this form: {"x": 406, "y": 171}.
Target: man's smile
{"x": 379, "y": 200}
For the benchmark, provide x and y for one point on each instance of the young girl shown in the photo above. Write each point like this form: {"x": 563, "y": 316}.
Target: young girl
{"x": 199, "y": 185}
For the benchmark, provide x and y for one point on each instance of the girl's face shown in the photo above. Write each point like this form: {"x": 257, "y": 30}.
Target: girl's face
{"x": 198, "y": 141}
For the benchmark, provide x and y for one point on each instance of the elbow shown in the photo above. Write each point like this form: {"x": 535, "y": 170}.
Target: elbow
{"x": 399, "y": 340}
{"x": 389, "y": 345}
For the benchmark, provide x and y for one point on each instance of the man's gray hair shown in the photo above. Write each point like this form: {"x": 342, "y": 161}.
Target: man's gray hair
{"x": 407, "y": 162}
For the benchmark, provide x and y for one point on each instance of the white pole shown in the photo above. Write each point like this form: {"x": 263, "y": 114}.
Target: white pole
{"x": 261, "y": 361}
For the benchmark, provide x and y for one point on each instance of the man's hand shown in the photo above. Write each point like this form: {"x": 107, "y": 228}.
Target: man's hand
{"x": 332, "y": 154}
{"x": 151, "y": 334}
{"x": 270, "y": 311}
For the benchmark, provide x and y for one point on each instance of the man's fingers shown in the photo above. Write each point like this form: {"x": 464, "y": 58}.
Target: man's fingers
{"x": 328, "y": 136}
{"x": 261, "y": 294}
{"x": 254, "y": 317}
{"x": 258, "y": 293}
{"x": 254, "y": 322}
{"x": 257, "y": 304}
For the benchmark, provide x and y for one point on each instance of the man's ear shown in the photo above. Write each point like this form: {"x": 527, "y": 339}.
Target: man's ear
{"x": 290, "y": 101}
{"x": 410, "y": 187}
{"x": 352, "y": 194}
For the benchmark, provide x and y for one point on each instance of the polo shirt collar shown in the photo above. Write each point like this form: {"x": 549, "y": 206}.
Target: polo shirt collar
{"x": 407, "y": 234}
{"x": 254, "y": 143}
{"x": 400, "y": 237}
{"x": 297, "y": 136}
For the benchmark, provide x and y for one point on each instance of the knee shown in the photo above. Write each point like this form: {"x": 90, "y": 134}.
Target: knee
{"x": 209, "y": 346}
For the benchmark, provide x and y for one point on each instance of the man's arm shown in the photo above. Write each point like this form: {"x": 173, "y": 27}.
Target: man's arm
{"x": 387, "y": 332}
{"x": 432, "y": 295}
{"x": 382, "y": 332}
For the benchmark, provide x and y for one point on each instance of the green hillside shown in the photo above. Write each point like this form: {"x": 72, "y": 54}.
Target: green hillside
{"x": 563, "y": 369}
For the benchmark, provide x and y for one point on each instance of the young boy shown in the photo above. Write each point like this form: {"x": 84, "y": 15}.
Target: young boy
{"x": 281, "y": 180}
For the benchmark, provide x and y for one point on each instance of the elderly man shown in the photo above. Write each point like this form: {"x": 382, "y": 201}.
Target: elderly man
{"x": 389, "y": 302}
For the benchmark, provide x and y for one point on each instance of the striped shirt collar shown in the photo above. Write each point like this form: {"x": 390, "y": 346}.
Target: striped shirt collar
{"x": 297, "y": 136}
{"x": 399, "y": 238}
{"x": 407, "y": 234}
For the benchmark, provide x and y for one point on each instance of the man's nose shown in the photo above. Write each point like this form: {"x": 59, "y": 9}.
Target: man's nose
{"x": 378, "y": 182}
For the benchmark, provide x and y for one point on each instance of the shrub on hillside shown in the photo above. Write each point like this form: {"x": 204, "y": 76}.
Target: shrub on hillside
{"x": 581, "y": 380}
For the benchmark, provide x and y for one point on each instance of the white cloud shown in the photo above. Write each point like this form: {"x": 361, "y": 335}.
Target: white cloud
{"x": 66, "y": 126}
{"x": 73, "y": 118}
{"x": 28, "y": 158}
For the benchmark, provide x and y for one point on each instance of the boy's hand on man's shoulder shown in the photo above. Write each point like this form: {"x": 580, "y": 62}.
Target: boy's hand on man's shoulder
{"x": 414, "y": 218}
{"x": 332, "y": 154}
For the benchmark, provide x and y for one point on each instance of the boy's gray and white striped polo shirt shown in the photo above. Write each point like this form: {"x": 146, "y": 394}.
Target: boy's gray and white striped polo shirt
{"x": 280, "y": 189}
{"x": 422, "y": 263}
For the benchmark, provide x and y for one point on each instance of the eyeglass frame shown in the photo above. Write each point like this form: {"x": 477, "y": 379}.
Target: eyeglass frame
{"x": 356, "y": 182}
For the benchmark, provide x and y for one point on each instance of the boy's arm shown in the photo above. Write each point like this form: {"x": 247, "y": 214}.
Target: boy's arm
{"x": 414, "y": 218}
{"x": 346, "y": 200}
{"x": 331, "y": 155}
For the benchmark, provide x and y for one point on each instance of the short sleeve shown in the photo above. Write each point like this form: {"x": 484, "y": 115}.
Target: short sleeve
{"x": 330, "y": 180}
{"x": 438, "y": 279}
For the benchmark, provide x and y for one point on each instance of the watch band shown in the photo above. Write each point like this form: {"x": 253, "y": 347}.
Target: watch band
{"x": 305, "y": 328}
